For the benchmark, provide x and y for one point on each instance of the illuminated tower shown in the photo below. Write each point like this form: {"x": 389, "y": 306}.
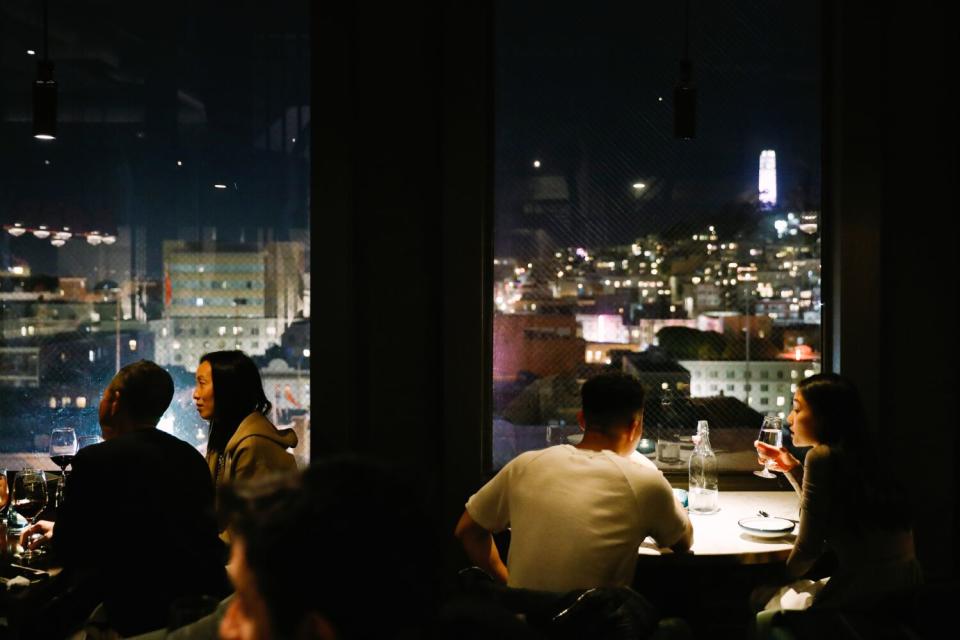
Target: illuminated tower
{"x": 768, "y": 177}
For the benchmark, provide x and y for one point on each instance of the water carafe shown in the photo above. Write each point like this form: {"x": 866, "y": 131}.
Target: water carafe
{"x": 703, "y": 494}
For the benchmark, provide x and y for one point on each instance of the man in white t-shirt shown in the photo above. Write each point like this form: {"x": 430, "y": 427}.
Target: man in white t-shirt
{"x": 577, "y": 514}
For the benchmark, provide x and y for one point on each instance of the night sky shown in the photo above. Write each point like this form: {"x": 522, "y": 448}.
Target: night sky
{"x": 578, "y": 86}
{"x": 142, "y": 86}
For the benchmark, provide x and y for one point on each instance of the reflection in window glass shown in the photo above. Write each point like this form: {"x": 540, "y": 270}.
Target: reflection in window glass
{"x": 173, "y": 201}
{"x": 619, "y": 245}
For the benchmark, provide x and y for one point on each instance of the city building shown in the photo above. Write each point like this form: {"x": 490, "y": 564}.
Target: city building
{"x": 214, "y": 281}
{"x": 181, "y": 341}
{"x": 540, "y": 345}
{"x": 227, "y": 296}
{"x": 764, "y": 385}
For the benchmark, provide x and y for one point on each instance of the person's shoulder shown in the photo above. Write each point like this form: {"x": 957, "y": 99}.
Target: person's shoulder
{"x": 523, "y": 460}
{"x": 528, "y": 457}
{"x": 637, "y": 466}
{"x": 256, "y": 430}
{"x": 821, "y": 460}
{"x": 169, "y": 446}
{"x": 92, "y": 453}
{"x": 820, "y": 454}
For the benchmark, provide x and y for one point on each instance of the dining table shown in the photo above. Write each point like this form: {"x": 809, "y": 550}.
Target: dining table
{"x": 718, "y": 537}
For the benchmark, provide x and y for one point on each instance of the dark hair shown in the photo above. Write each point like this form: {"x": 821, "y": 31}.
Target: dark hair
{"x": 839, "y": 421}
{"x": 611, "y": 400}
{"x": 325, "y": 526}
{"x": 839, "y": 418}
{"x": 237, "y": 392}
{"x": 145, "y": 390}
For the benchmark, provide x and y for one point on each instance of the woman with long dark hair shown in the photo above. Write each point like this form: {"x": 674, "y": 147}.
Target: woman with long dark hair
{"x": 242, "y": 441}
{"x": 848, "y": 502}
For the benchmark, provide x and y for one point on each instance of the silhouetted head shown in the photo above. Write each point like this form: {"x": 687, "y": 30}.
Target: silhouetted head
{"x": 137, "y": 397}
{"x": 611, "y": 401}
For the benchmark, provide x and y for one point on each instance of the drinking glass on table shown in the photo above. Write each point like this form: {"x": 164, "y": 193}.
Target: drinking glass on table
{"x": 4, "y": 494}
{"x": 29, "y": 499}
{"x": 771, "y": 433}
{"x": 4, "y": 501}
{"x": 63, "y": 446}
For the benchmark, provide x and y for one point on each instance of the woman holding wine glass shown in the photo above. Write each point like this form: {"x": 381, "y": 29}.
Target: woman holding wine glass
{"x": 847, "y": 503}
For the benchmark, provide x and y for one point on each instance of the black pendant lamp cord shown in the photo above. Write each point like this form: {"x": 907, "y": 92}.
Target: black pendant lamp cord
{"x": 45, "y": 37}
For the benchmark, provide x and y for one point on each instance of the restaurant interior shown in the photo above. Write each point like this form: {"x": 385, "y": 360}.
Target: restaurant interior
{"x": 417, "y": 92}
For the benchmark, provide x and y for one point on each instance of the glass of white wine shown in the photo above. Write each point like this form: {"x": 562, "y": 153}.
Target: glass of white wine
{"x": 771, "y": 433}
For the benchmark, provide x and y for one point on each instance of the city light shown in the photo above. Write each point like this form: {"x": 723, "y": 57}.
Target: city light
{"x": 767, "y": 181}
{"x": 536, "y": 164}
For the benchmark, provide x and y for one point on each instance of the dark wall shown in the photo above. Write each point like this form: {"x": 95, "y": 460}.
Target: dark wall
{"x": 890, "y": 166}
{"x": 401, "y": 167}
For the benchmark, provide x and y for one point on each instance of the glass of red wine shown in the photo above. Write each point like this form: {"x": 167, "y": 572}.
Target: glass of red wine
{"x": 29, "y": 499}
{"x": 63, "y": 446}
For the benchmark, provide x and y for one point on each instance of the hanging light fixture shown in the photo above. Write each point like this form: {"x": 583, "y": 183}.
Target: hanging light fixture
{"x": 42, "y": 233}
{"x": 16, "y": 230}
{"x": 45, "y": 93}
{"x": 685, "y": 93}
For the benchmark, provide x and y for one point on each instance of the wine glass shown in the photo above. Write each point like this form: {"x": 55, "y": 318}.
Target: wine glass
{"x": 30, "y": 498}
{"x": 63, "y": 446}
{"x": 4, "y": 493}
{"x": 771, "y": 433}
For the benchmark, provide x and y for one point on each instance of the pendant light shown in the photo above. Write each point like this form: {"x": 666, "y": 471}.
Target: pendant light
{"x": 45, "y": 93}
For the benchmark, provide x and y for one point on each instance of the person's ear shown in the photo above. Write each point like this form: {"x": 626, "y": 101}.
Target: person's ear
{"x": 580, "y": 421}
{"x": 115, "y": 403}
{"x": 638, "y": 425}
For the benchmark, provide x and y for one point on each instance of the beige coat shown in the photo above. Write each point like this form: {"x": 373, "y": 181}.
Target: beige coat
{"x": 257, "y": 448}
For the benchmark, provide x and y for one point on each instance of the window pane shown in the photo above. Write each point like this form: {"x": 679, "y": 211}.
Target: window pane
{"x": 619, "y": 245}
{"x": 167, "y": 218}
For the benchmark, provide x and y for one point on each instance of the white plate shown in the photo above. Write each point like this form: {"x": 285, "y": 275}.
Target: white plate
{"x": 770, "y": 527}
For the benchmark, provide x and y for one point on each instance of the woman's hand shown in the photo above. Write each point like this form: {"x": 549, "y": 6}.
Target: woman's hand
{"x": 783, "y": 460}
{"x": 43, "y": 527}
